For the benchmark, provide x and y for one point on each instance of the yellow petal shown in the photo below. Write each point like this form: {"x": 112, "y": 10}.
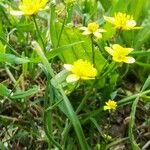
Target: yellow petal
{"x": 97, "y": 34}
{"x": 83, "y": 28}
{"x": 128, "y": 50}
{"x": 116, "y": 47}
{"x": 106, "y": 107}
{"x": 72, "y": 78}
{"x": 86, "y": 32}
{"x": 131, "y": 23}
{"x": 101, "y": 30}
{"x": 109, "y": 50}
{"x": 16, "y": 13}
{"x": 68, "y": 67}
{"x": 110, "y": 19}
{"x": 43, "y": 3}
{"x": 129, "y": 60}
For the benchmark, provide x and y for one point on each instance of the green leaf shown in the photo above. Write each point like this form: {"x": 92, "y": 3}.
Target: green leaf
{"x": 146, "y": 84}
{"x": 59, "y": 50}
{"x": 141, "y": 53}
{"x": 4, "y": 91}
{"x": 30, "y": 92}
{"x": 145, "y": 65}
{"x": 9, "y": 58}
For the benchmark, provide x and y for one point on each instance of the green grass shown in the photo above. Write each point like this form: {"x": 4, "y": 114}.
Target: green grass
{"x": 40, "y": 110}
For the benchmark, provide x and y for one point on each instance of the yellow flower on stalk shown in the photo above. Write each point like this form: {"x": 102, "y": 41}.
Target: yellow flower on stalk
{"x": 110, "y": 105}
{"x": 120, "y": 54}
{"x": 81, "y": 69}
{"x": 122, "y": 21}
{"x": 93, "y": 29}
{"x": 29, "y": 7}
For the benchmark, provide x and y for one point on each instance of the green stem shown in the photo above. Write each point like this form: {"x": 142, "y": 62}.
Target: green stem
{"x": 134, "y": 145}
{"x": 61, "y": 31}
{"x": 39, "y": 34}
{"x": 53, "y": 106}
{"x": 93, "y": 53}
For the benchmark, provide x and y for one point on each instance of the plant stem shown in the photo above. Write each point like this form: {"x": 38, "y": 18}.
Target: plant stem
{"x": 53, "y": 106}
{"x": 93, "y": 52}
{"x": 62, "y": 28}
{"x": 39, "y": 34}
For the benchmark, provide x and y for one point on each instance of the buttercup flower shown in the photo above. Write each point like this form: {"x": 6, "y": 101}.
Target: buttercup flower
{"x": 81, "y": 69}
{"x": 122, "y": 21}
{"x": 110, "y": 105}
{"x": 120, "y": 54}
{"x": 93, "y": 29}
{"x": 29, "y": 7}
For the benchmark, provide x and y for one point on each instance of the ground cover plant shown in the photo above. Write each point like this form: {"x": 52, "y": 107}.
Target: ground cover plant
{"x": 74, "y": 74}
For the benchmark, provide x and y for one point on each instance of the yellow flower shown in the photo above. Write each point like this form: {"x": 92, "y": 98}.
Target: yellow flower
{"x": 122, "y": 21}
{"x": 29, "y": 7}
{"x": 120, "y": 54}
{"x": 81, "y": 69}
{"x": 93, "y": 29}
{"x": 110, "y": 105}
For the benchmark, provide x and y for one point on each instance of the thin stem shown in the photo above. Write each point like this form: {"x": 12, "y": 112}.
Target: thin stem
{"x": 39, "y": 34}
{"x": 53, "y": 106}
{"x": 62, "y": 28}
{"x": 10, "y": 75}
{"x": 85, "y": 97}
{"x": 93, "y": 53}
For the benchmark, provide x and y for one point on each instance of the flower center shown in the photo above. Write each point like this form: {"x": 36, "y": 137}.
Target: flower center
{"x": 83, "y": 69}
{"x": 121, "y": 20}
{"x": 93, "y": 27}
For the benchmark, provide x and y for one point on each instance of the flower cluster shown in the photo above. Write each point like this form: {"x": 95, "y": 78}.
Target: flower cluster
{"x": 83, "y": 69}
